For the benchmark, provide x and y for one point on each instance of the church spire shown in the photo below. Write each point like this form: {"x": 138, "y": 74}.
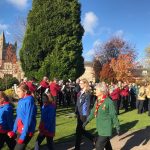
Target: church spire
{"x": 2, "y": 43}
{"x": 3, "y": 36}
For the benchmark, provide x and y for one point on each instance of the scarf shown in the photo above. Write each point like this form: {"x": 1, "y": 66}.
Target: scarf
{"x": 98, "y": 104}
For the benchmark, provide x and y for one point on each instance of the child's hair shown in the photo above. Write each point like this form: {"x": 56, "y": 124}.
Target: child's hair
{"x": 24, "y": 88}
{"x": 3, "y": 95}
{"x": 47, "y": 98}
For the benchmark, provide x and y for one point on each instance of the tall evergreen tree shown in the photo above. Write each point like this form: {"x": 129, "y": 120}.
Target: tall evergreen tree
{"x": 52, "y": 43}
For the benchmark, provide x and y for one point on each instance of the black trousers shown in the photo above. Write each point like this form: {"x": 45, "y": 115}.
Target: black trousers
{"x": 103, "y": 142}
{"x": 125, "y": 102}
{"x": 9, "y": 141}
{"x": 22, "y": 146}
{"x": 61, "y": 99}
{"x": 145, "y": 105}
{"x": 40, "y": 138}
{"x": 133, "y": 101}
{"x": 81, "y": 131}
{"x": 116, "y": 104}
{"x": 140, "y": 104}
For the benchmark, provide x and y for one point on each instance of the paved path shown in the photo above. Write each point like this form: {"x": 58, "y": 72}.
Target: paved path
{"x": 138, "y": 140}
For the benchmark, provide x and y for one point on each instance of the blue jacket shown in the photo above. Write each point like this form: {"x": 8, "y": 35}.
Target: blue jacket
{"x": 25, "y": 122}
{"x": 83, "y": 104}
{"x": 6, "y": 117}
{"x": 48, "y": 120}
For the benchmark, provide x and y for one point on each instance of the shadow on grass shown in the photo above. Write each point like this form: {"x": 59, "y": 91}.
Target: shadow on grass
{"x": 125, "y": 127}
{"x": 138, "y": 137}
{"x": 68, "y": 142}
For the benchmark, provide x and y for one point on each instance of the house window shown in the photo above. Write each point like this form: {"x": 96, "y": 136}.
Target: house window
{"x": 144, "y": 72}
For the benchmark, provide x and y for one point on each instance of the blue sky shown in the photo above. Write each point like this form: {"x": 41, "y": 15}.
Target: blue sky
{"x": 102, "y": 19}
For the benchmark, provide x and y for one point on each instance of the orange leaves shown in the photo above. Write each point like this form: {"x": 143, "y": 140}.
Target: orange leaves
{"x": 117, "y": 60}
{"x": 118, "y": 68}
{"x": 107, "y": 73}
{"x": 122, "y": 66}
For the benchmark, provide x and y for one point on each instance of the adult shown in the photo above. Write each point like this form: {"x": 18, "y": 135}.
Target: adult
{"x": 125, "y": 96}
{"x": 54, "y": 89}
{"x": 140, "y": 99}
{"x": 44, "y": 84}
{"x": 31, "y": 85}
{"x": 115, "y": 96}
{"x": 106, "y": 118}
{"x": 82, "y": 112}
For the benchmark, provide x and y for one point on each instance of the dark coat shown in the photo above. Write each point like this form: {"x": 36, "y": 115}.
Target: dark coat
{"x": 83, "y": 104}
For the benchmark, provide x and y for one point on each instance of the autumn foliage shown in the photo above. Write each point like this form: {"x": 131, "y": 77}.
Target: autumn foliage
{"x": 123, "y": 66}
{"x": 107, "y": 74}
{"x": 117, "y": 60}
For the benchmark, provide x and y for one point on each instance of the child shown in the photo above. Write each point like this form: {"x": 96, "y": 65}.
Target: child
{"x": 6, "y": 121}
{"x": 26, "y": 118}
{"x": 48, "y": 122}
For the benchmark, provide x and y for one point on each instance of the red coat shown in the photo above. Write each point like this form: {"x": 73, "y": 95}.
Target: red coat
{"x": 54, "y": 88}
{"x": 125, "y": 91}
{"x": 115, "y": 94}
{"x": 44, "y": 84}
{"x": 31, "y": 86}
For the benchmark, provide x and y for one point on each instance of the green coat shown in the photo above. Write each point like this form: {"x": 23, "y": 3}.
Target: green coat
{"x": 106, "y": 118}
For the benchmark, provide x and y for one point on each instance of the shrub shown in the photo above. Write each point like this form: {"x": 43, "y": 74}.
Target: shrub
{"x": 9, "y": 92}
{"x": 7, "y": 82}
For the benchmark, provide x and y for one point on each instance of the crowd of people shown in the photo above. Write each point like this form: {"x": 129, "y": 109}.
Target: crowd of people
{"x": 91, "y": 100}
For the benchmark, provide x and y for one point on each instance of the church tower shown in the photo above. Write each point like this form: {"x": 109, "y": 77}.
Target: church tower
{"x": 2, "y": 43}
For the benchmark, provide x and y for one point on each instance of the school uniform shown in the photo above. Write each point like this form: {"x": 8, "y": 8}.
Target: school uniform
{"x": 82, "y": 112}
{"x": 47, "y": 125}
{"x": 25, "y": 122}
{"x": 6, "y": 125}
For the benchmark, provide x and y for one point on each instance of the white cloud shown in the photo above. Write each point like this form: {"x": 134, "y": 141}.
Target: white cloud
{"x": 119, "y": 33}
{"x": 19, "y": 3}
{"x": 90, "y": 22}
{"x": 97, "y": 43}
{"x": 96, "y": 46}
{"x": 8, "y": 33}
{"x": 3, "y": 27}
{"x": 90, "y": 53}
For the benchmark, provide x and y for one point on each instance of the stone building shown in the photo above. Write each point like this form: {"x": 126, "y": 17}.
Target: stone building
{"x": 89, "y": 73}
{"x": 9, "y": 65}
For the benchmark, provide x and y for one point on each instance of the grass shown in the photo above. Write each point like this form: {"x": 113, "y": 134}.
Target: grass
{"x": 66, "y": 125}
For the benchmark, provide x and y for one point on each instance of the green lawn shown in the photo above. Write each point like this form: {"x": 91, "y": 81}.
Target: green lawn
{"x": 66, "y": 124}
